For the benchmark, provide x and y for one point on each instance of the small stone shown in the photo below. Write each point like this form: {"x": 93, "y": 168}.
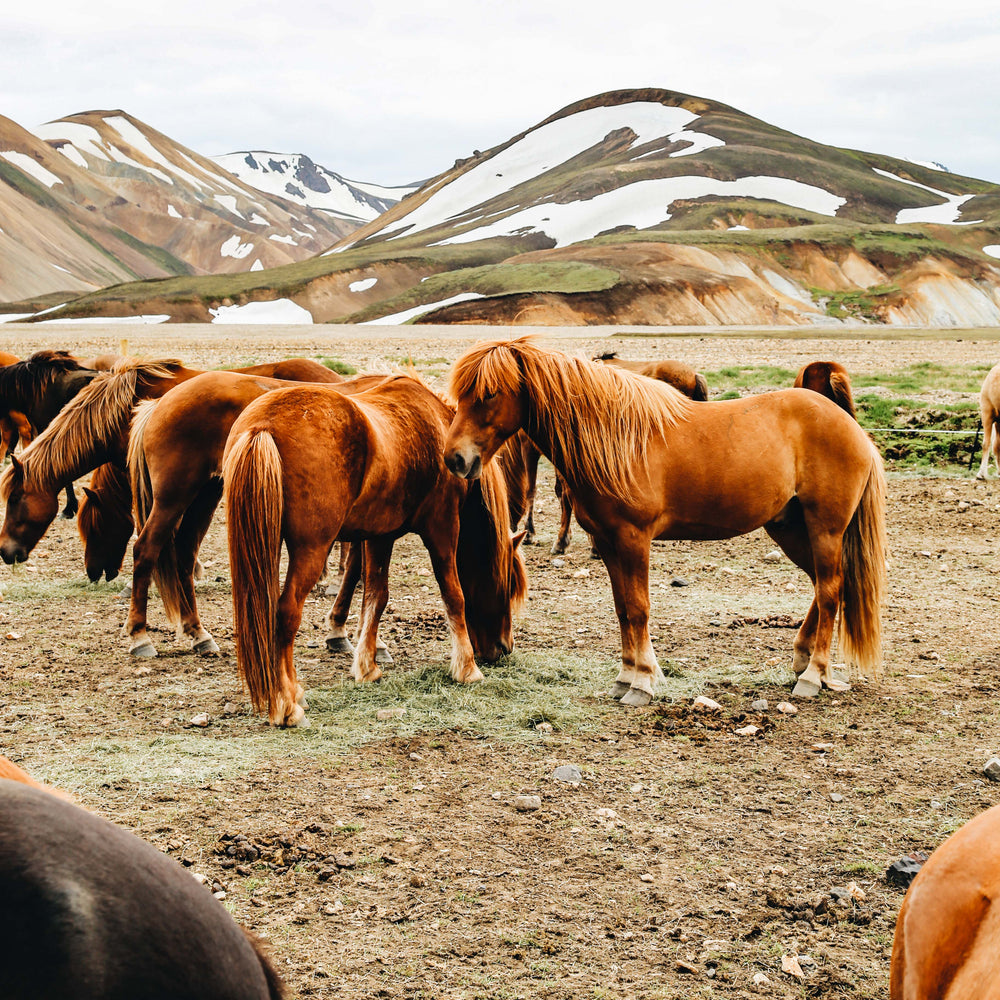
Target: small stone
{"x": 220, "y": 895}
{"x": 543, "y": 727}
{"x": 924, "y": 553}
{"x": 678, "y": 581}
{"x": 748, "y": 731}
{"x": 528, "y": 803}
{"x": 703, "y": 704}
{"x": 423, "y": 571}
{"x": 790, "y": 964}
{"x": 199, "y": 878}
{"x": 787, "y": 708}
{"x": 201, "y": 720}
{"x": 759, "y": 979}
{"x": 229, "y": 708}
{"x": 13, "y": 635}
{"x": 823, "y": 747}
{"x": 836, "y": 797}
{"x": 963, "y": 505}
{"x": 773, "y": 556}
{"x": 760, "y": 705}
{"x": 496, "y": 796}
{"x": 313, "y": 644}
{"x": 645, "y": 877}
{"x": 385, "y": 714}
{"x": 687, "y": 967}
{"x": 790, "y": 587}
{"x": 581, "y": 573}
{"x": 992, "y": 769}
{"x": 569, "y": 773}
{"x": 414, "y": 756}
{"x": 558, "y": 563}
{"x": 607, "y": 814}
{"x": 142, "y": 671}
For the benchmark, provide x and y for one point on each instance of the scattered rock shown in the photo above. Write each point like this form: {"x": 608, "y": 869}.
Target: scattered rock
{"x": 760, "y": 705}
{"x": 787, "y": 708}
{"x": 385, "y": 714}
{"x": 790, "y": 964}
{"x": 202, "y": 719}
{"x": 558, "y": 563}
{"x": 581, "y": 573}
{"x": 13, "y": 635}
{"x": 678, "y": 581}
{"x": 569, "y": 773}
{"x": 646, "y": 877}
{"x": 773, "y": 556}
{"x": 836, "y": 797}
{"x": 607, "y": 814}
{"x": 823, "y": 747}
{"x": 748, "y": 731}
{"x": 703, "y": 704}
{"x": 759, "y": 979}
{"x": 229, "y": 708}
{"x": 687, "y": 967}
{"x": 415, "y": 756}
{"x": 199, "y": 878}
{"x": 992, "y": 769}
{"x": 423, "y": 571}
{"x": 142, "y": 671}
{"x": 528, "y": 803}
{"x": 902, "y": 872}
{"x": 543, "y": 727}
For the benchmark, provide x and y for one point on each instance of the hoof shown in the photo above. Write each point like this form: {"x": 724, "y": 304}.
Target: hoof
{"x": 383, "y": 657}
{"x": 836, "y": 683}
{"x": 340, "y": 644}
{"x": 619, "y": 689}
{"x": 594, "y": 554}
{"x": 980, "y": 475}
{"x": 126, "y": 591}
{"x": 558, "y": 548}
{"x": 805, "y": 688}
{"x": 144, "y": 648}
{"x": 636, "y": 698}
{"x": 69, "y": 514}
{"x": 472, "y": 676}
{"x": 207, "y": 647}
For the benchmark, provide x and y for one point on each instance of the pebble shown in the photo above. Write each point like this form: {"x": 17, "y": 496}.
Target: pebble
{"x": 703, "y": 704}
{"x": 229, "y": 708}
{"x": 790, "y": 964}
{"x": 836, "y": 797}
{"x": 142, "y": 671}
{"x": 496, "y": 796}
{"x": 558, "y": 563}
{"x": 773, "y": 556}
{"x": 608, "y": 814}
{"x": 759, "y": 979}
{"x": 543, "y": 727}
{"x": 201, "y": 720}
{"x": 528, "y": 803}
{"x": 645, "y": 877}
{"x": 569, "y": 773}
{"x": 581, "y": 573}
{"x": 787, "y": 708}
{"x": 748, "y": 731}
{"x": 992, "y": 769}
{"x": 678, "y": 581}
{"x": 760, "y": 705}
{"x": 385, "y": 714}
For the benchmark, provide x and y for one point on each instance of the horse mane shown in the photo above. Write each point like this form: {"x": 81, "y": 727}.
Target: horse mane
{"x": 506, "y": 563}
{"x": 99, "y": 414}
{"x": 606, "y": 356}
{"x": 596, "y": 418}
{"x": 112, "y": 485}
{"x": 26, "y": 381}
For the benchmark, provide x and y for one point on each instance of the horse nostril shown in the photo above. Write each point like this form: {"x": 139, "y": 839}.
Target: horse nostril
{"x": 455, "y": 463}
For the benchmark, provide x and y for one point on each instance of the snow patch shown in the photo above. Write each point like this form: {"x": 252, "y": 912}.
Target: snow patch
{"x": 736, "y": 229}
{"x": 363, "y": 285}
{"x": 228, "y": 202}
{"x": 283, "y": 239}
{"x": 993, "y": 250}
{"x": 138, "y": 141}
{"x": 110, "y": 320}
{"x": 234, "y": 248}
{"x": 278, "y": 311}
{"x": 408, "y": 314}
{"x": 173, "y": 213}
{"x": 946, "y": 214}
{"x": 73, "y": 155}
{"x": 32, "y": 167}
{"x": 258, "y": 221}
{"x": 14, "y": 317}
{"x": 63, "y": 269}
{"x": 257, "y": 265}
{"x": 83, "y": 137}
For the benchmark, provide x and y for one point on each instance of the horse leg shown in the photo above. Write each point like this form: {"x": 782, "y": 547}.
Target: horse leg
{"x": 627, "y": 562}
{"x": 336, "y": 618}
{"x": 305, "y": 566}
{"x": 441, "y": 538}
{"x": 986, "y": 412}
{"x": 561, "y": 544}
{"x": 69, "y": 511}
{"x": 828, "y": 560}
{"x": 378, "y": 552}
{"x": 155, "y": 533}
{"x": 187, "y": 542}
{"x": 531, "y": 456}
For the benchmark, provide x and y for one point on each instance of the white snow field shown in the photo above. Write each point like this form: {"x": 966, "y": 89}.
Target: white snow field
{"x": 278, "y": 311}
{"x": 32, "y": 167}
{"x": 946, "y": 214}
{"x": 363, "y": 284}
{"x": 408, "y": 314}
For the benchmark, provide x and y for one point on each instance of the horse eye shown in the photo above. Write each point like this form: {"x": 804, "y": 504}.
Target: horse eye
{"x": 488, "y": 396}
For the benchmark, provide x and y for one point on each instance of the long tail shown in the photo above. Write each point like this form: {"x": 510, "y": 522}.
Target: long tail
{"x": 865, "y": 553}
{"x": 252, "y": 475}
{"x": 165, "y": 573}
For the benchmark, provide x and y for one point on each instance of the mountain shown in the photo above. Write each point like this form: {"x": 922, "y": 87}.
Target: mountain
{"x": 646, "y": 207}
{"x": 296, "y": 177}
{"x": 101, "y": 198}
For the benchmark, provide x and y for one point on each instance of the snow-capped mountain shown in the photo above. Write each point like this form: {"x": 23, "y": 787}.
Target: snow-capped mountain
{"x": 296, "y": 177}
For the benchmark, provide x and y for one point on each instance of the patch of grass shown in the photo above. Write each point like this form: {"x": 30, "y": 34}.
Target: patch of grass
{"x": 867, "y": 304}
{"x": 340, "y": 367}
{"x": 736, "y": 377}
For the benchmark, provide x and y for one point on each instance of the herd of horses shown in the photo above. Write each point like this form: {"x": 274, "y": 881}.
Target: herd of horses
{"x": 304, "y": 457}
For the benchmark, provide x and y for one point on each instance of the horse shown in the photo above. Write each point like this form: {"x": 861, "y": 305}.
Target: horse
{"x": 681, "y": 376}
{"x": 91, "y": 430}
{"x": 830, "y": 379}
{"x": 645, "y": 462}
{"x": 309, "y": 464}
{"x": 174, "y": 474}
{"x": 35, "y": 390}
{"x": 104, "y": 521}
{"x": 989, "y": 411}
{"x": 948, "y": 928}
{"x": 89, "y": 911}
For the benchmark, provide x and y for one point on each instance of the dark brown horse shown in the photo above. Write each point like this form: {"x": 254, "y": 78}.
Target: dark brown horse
{"x": 645, "y": 462}
{"x": 307, "y": 465}
{"x": 681, "y": 376}
{"x": 90, "y": 912}
{"x": 830, "y": 379}
{"x": 105, "y": 521}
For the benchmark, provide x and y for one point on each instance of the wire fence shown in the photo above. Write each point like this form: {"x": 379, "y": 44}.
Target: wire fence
{"x": 930, "y": 430}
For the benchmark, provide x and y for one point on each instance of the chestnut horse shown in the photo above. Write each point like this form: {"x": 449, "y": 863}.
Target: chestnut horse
{"x": 830, "y": 379}
{"x": 175, "y": 475}
{"x": 989, "y": 411}
{"x": 947, "y": 943}
{"x": 309, "y": 464}
{"x": 645, "y": 462}
{"x": 89, "y": 911}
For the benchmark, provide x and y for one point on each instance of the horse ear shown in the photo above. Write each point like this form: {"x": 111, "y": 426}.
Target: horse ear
{"x": 92, "y": 497}
{"x": 518, "y": 538}
{"x": 18, "y": 466}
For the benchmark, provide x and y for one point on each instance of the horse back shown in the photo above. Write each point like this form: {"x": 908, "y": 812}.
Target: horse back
{"x": 92, "y": 912}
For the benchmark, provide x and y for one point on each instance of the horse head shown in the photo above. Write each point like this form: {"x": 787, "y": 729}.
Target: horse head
{"x": 30, "y": 510}
{"x": 105, "y": 537}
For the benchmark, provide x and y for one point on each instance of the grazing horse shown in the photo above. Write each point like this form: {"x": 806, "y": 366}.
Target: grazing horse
{"x": 644, "y": 462}
{"x": 89, "y": 911}
{"x": 309, "y": 464}
{"x": 105, "y": 521}
{"x": 830, "y": 379}
{"x": 989, "y": 411}
{"x": 36, "y": 390}
{"x": 947, "y": 943}
{"x": 681, "y": 376}
{"x": 175, "y": 475}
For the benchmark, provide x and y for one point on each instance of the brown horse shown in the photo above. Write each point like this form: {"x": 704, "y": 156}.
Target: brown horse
{"x": 989, "y": 411}
{"x": 947, "y": 943}
{"x": 645, "y": 462}
{"x": 89, "y": 911}
{"x": 307, "y": 465}
{"x": 104, "y": 521}
{"x": 681, "y": 376}
{"x": 175, "y": 475}
{"x": 829, "y": 379}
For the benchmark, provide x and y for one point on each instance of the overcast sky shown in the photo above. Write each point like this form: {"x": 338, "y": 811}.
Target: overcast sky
{"x": 395, "y": 91}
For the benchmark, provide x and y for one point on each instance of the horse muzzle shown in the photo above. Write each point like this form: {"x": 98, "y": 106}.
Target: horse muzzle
{"x": 466, "y": 468}
{"x": 12, "y": 552}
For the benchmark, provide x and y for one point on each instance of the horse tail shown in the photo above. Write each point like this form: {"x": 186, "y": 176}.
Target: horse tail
{"x": 864, "y": 562}
{"x": 700, "y": 392}
{"x": 251, "y": 472}
{"x": 840, "y": 392}
{"x": 275, "y": 987}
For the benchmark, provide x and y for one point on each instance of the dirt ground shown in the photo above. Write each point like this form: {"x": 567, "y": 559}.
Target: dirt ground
{"x": 388, "y": 859}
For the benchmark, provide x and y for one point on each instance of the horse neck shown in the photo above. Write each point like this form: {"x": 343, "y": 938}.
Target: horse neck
{"x": 63, "y": 390}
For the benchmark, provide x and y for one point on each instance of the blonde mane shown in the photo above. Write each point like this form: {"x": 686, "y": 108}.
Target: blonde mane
{"x": 95, "y": 419}
{"x": 597, "y": 418}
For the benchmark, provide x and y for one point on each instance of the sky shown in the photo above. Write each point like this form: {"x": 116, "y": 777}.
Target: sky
{"x": 394, "y": 92}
